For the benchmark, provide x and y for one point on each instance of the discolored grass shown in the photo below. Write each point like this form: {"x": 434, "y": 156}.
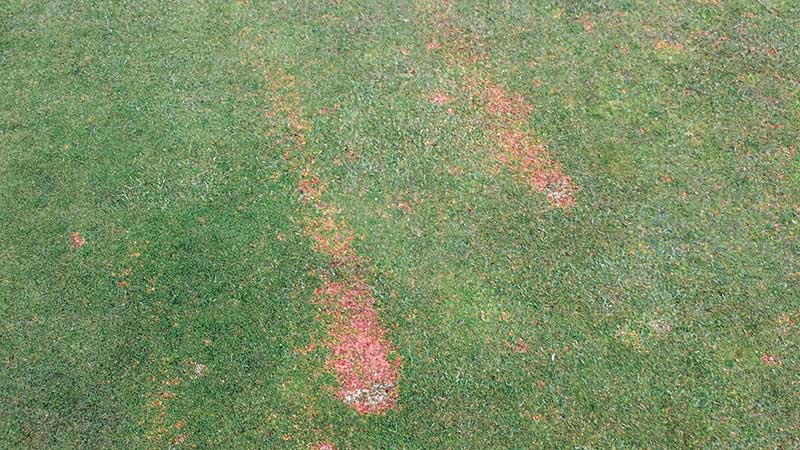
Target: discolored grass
{"x": 176, "y": 227}
{"x": 359, "y": 352}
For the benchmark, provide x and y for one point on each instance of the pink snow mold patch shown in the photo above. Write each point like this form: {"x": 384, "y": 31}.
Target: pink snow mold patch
{"x": 360, "y": 352}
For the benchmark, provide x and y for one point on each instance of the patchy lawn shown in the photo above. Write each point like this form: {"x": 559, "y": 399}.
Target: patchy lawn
{"x": 402, "y": 224}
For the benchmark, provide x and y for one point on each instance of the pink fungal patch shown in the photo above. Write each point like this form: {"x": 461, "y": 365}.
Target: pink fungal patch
{"x": 506, "y": 114}
{"x": 440, "y": 98}
{"x": 77, "y": 240}
{"x": 322, "y": 446}
{"x": 503, "y": 107}
{"x": 309, "y": 187}
{"x": 668, "y": 47}
{"x": 359, "y": 348}
{"x": 433, "y": 45}
{"x": 333, "y": 240}
{"x": 520, "y": 151}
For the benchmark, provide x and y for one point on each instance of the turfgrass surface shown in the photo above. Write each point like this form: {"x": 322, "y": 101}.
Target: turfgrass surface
{"x": 661, "y": 310}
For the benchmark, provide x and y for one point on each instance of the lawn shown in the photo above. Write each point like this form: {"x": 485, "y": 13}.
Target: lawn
{"x": 421, "y": 224}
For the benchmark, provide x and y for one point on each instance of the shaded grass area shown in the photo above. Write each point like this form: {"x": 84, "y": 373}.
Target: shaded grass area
{"x": 639, "y": 318}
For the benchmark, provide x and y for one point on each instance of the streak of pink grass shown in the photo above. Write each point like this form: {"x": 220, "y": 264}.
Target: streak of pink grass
{"x": 519, "y": 151}
{"x": 366, "y": 375}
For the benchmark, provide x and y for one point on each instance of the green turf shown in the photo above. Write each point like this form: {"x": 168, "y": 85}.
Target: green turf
{"x": 646, "y": 309}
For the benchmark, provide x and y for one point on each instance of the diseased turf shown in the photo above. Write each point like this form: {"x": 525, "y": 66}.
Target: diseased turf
{"x": 359, "y": 352}
{"x": 522, "y": 151}
{"x": 399, "y": 224}
{"x": 506, "y": 114}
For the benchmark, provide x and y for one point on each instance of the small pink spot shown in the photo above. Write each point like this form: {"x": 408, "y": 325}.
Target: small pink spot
{"x": 771, "y": 359}
{"x": 77, "y": 240}
{"x": 440, "y": 98}
{"x": 503, "y": 106}
{"x": 309, "y": 187}
{"x": 668, "y": 46}
{"x": 322, "y": 446}
{"x": 433, "y": 45}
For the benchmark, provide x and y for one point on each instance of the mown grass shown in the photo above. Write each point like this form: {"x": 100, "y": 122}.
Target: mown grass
{"x": 637, "y": 319}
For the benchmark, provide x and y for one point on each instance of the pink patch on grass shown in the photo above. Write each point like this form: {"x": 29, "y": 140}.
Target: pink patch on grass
{"x": 667, "y": 46}
{"x": 77, "y": 240}
{"x": 433, "y": 45}
{"x": 309, "y": 187}
{"x": 359, "y": 348}
{"x": 771, "y": 359}
{"x": 520, "y": 151}
{"x": 333, "y": 240}
{"x": 440, "y": 98}
{"x": 504, "y": 107}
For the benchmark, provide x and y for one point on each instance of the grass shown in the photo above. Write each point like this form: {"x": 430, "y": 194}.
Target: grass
{"x": 662, "y": 311}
